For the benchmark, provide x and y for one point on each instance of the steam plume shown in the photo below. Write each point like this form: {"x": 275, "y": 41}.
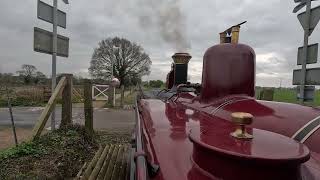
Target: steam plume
{"x": 167, "y": 17}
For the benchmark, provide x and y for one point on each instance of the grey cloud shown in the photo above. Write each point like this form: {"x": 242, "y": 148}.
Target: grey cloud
{"x": 272, "y": 28}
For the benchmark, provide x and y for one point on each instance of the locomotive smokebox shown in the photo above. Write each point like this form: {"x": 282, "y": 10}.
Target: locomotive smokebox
{"x": 181, "y": 61}
{"x": 228, "y": 69}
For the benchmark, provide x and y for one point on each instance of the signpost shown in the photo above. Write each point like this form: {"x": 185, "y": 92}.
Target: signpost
{"x": 51, "y": 43}
{"x": 312, "y": 54}
{"x": 311, "y": 77}
{"x": 311, "y": 22}
{"x": 43, "y": 41}
{"x": 45, "y": 13}
{"x": 308, "y": 53}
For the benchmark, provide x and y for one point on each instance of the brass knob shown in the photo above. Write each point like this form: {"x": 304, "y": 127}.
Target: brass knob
{"x": 241, "y": 119}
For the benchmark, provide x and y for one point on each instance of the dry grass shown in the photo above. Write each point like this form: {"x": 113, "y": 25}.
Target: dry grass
{"x": 7, "y": 139}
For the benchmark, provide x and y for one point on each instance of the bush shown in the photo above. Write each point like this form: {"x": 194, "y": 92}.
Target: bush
{"x": 24, "y": 101}
{"x": 23, "y": 149}
{"x": 3, "y": 103}
{"x": 156, "y": 83}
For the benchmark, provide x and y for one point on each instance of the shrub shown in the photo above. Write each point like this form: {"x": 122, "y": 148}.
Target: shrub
{"x": 23, "y": 149}
{"x": 156, "y": 83}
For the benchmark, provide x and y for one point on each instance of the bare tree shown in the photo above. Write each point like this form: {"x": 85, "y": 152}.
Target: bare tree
{"x": 28, "y": 72}
{"x": 129, "y": 60}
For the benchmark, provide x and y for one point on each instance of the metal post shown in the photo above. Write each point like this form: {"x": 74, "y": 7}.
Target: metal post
{"x": 305, "y": 51}
{"x": 54, "y": 58}
{"x": 114, "y": 97}
{"x": 113, "y": 87}
{"x": 92, "y": 89}
{"x": 11, "y": 116}
{"x": 122, "y": 96}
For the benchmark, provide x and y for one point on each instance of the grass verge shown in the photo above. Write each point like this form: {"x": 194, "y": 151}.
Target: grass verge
{"x": 56, "y": 155}
{"x": 290, "y": 96}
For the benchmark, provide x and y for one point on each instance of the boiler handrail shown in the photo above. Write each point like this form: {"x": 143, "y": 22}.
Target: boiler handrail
{"x": 141, "y": 165}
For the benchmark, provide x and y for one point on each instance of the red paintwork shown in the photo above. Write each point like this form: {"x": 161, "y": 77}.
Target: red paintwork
{"x": 168, "y": 125}
{"x": 230, "y": 69}
{"x": 282, "y": 118}
{"x": 188, "y": 136}
{"x": 275, "y": 156}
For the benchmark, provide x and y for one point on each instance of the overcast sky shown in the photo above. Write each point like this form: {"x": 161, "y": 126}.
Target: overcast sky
{"x": 272, "y": 30}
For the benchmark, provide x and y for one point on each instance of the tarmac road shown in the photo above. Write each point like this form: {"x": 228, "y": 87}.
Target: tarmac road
{"x": 104, "y": 118}
{"x": 23, "y": 116}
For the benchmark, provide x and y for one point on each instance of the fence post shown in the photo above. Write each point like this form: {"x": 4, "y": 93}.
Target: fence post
{"x": 122, "y": 96}
{"x": 37, "y": 129}
{"x": 66, "y": 114}
{"x": 88, "y": 109}
{"x": 110, "y": 95}
{"x": 11, "y": 116}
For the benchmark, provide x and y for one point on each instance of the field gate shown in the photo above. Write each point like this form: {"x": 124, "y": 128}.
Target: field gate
{"x": 99, "y": 92}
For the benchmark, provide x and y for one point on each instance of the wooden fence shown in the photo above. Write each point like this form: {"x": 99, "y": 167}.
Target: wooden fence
{"x": 65, "y": 88}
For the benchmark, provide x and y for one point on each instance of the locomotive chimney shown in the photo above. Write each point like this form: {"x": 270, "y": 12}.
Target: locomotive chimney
{"x": 228, "y": 68}
{"x": 181, "y": 61}
{"x": 231, "y": 35}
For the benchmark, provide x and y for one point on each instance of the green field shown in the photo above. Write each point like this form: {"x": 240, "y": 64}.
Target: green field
{"x": 289, "y": 95}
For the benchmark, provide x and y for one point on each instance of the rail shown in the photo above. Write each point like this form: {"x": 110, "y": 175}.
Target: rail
{"x": 65, "y": 87}
{"x": 141, "y": 164}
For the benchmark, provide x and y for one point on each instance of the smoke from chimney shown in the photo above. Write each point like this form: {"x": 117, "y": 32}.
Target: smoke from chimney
{"x": 167, "y": 17}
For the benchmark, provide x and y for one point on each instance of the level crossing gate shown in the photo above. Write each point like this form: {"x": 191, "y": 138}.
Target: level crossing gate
{"x": 99, "y": 92}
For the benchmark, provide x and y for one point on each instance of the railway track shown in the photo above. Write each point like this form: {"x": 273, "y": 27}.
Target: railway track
{"x": 111, "y": 162}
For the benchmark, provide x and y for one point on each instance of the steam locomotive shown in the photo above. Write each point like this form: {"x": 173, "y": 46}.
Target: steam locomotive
{"x": 217, "y": 129}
